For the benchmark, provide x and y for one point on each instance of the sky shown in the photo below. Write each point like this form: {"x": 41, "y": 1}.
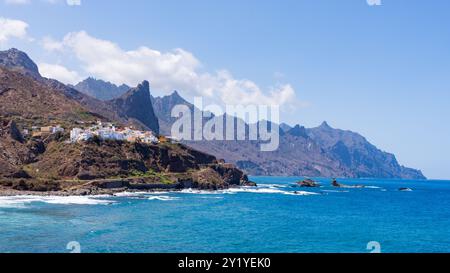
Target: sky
{"x": 379, "y": 67}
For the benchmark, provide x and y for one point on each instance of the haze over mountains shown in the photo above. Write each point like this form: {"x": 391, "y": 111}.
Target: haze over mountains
{"x": 321, "y": 151}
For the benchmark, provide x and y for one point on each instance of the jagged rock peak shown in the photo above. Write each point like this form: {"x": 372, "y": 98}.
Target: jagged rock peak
{"x": 299, "y": 131}
{"x": 145, "y": 85}
{"x": 136, "y": 104}
{"x": 325, "y": 125}
{"x": 17, "y": 60}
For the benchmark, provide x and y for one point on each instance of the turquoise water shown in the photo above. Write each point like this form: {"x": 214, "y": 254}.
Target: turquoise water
{"x": 270, "y": 218}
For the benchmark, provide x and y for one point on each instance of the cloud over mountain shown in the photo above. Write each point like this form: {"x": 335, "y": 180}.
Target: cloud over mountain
{"x": 10, "y": 28}
{"x": 167, "y": 71}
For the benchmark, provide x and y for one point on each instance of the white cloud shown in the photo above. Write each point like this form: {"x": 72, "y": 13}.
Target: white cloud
{"x": 17, "y": 2}
{"x": 60, "y": 73}
{"x": 50, "y": 44}
{"x": 74, "y": 2}
{"x": 10, "y": 28}
{"x": 24, "y": 2}
{"x": 174, "y": 70}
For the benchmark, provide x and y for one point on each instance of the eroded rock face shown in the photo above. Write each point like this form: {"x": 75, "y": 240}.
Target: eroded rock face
{"x": 13, "y": 152}
{"x": 14, "y": 132}
{"x": 137, "y": 104}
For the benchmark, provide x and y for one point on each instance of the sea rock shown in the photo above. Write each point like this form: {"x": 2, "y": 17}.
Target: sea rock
{"x": 334, "y": 183}
{"x": 309, "y": 183}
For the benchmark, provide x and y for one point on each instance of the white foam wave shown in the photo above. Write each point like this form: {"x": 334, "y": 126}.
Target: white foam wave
{"x": 129, "y": 194}
{"x": 268, "y": 190}
{"x": 163, "y": 198}
{"x": 194, "y": 191}
{"x": 21, "y": 201}
{"x": 261, "y": 190}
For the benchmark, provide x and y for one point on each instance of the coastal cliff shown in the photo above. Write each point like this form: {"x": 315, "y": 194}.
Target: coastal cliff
{"x": 34, "y": 160}
{"x": 52, "y": 164}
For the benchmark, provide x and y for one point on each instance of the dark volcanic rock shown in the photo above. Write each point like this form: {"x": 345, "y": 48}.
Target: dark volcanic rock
{"x": 231, "y": 174}
{"x": 14, "y": 132}
{"x": 308, "y": 183}
{"x": 136, "y": 104}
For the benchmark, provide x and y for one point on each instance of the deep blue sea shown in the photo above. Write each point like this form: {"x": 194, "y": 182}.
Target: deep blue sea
{"x": 269, "y": 218}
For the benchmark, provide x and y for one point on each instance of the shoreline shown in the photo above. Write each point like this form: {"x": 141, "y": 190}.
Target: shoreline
{"x": 112, "y": 187}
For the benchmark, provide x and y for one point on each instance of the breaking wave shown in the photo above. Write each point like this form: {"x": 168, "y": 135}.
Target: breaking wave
{"x": 22, "y": 201}
{"x": 163, "y": 198}
{"x": 263, "y": 189}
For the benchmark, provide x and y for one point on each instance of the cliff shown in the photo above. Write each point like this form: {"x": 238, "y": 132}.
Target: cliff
{"x": 53, "y": 164}
{"x": 136, "y": 104}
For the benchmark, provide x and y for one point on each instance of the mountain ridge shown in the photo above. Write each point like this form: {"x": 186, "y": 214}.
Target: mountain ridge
{"x": 100, "y": 89}
{"x": 320, "y": 151}
{"x": 16, "y": 61}
{"x": 344, "y": 152}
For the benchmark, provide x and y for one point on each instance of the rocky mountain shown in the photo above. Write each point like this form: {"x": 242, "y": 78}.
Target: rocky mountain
{"x": 100, "y": 89}
{"x": 163, "y": 107}
{"x": 22, "y": 74}
{"x": 28, "y": 99}
{"x": 321, "y": 151}
{"x": 19, "y": 61}
{"x": 285, "y": 127}
{"x": 48, "y": 162}
{"x": 357, "y": 154}
{"x": 137, "y": 104}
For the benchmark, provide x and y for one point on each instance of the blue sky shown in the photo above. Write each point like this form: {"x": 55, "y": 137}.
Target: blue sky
{"x": 382, "y": 71}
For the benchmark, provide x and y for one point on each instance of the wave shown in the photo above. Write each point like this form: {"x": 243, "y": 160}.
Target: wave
{"x": 268, "y": 190}
{"x": 129, "y": 194}
{"x": 22, "y": 201}
{"x": 195, "y": 191}
{"x": 261, "y": 190}
{"x": 163, "y": 198}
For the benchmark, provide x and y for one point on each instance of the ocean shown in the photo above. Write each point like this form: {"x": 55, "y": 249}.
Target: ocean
{"x": 269, "y": 218}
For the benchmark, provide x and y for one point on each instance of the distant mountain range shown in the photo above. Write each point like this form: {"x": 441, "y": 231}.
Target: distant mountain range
{"x": 321, "y": 151}
{"x": 100, "y": 89}
{"x": 315, "y": 152}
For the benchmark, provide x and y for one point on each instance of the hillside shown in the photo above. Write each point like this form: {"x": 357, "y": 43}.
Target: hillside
{"x": 93, "y": 167}
{"x": 49, "y": 162}
{"x": 26, "y": 72}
